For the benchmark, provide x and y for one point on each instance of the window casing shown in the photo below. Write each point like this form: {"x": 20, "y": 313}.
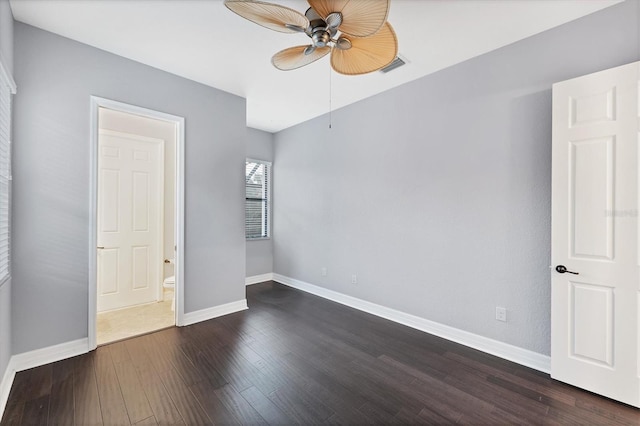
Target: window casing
{"x": 7, "y": 89}
{"x": 257, "y": 219}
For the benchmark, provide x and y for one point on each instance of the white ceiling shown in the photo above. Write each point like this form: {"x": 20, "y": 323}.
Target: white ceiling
{"x": 203, "y": 41}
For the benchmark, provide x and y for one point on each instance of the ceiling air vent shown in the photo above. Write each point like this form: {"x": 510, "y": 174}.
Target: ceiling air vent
{"x": 397, "y": 63}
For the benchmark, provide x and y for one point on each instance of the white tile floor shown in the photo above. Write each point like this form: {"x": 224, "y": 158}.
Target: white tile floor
{"x": 124, "y": 323}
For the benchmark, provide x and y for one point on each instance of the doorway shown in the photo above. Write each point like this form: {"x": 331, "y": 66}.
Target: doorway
{"x": 136, "y": 229}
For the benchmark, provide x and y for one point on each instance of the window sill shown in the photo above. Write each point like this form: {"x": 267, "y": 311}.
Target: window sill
{"x": 258, "y": 239}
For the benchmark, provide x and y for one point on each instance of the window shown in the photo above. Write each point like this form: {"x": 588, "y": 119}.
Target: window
{"x": 258, "y": 199}
{"x": 7, "y": 88}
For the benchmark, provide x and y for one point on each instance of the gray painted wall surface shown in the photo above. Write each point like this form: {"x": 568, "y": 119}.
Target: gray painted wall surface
{"x": 6, "y": 50}
{"x": 56, "y": 77}
{"x": 260, "y": 252}
{"x": 437, "y": 193}
{"x": 6, "y": 34}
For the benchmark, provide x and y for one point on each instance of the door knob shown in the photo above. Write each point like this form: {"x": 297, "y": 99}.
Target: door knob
{"x": 100, "y": 248}
{"x": 563, "y": 269}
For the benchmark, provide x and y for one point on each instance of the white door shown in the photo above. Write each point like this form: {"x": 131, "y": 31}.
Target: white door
{"x": 130, "y": 197}
{"x": 594, "y": 315}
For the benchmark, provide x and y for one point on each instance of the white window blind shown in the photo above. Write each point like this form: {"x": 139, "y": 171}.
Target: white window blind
{"x": 7, "y": 88}
{"x": 258, "y": 199}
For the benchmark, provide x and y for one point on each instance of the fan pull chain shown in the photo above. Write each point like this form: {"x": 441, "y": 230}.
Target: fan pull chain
{"x": 330, "y": 90}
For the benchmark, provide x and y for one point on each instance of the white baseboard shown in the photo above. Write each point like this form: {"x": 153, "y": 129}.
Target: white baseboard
{"x": 509, "y": 352}
{"x": 258, "y": 279}
{"x": 5, "y": 386}
{"x": 36, "y": 358}
{"x": 216, "y": 311}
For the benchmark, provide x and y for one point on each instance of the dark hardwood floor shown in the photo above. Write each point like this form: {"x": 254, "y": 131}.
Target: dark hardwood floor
{"x": 296, "y": 358}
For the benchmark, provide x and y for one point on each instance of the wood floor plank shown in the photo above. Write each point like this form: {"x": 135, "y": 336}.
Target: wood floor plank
{"x": 40, "y": 381}
{"x": 234, "y": 368}
{"x": 215, "y": 409}
{"x": 163, "y": 347}
{"x": 20, "y": 388}
{"x": 13, "y": 413}
{"x": 299, "y": 407}
{"x": 119, "y": 353}
{"x": 149, "y": 421}
{"x": 240, "y": 407}
{"x": 163, "y": 408}
{"x": 62, "y": 370}
{"x": 294, "y": 358}
{"x": 203, "y": 365}
{"x": 113, "y": 408}
{"x": 184, "y": 400}
{"x": 85, "y": 392}
{"x": 267, "y": 409}
{"x": 428, "y": 416}
{"x": 135, "y": 399}
{"x": 378, "y": 413}
{"x": 31, "y": 384}
{"x": 36, "y": 411}
{"x": 61, "y": 405}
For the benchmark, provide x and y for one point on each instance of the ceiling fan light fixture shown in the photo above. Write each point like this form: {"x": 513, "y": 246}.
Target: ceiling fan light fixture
{"x": 321, "y": 38}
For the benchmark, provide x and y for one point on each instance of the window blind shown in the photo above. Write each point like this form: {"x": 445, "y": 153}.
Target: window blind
{"x": 257, "y": 184}
{"x": 7, "y": 88}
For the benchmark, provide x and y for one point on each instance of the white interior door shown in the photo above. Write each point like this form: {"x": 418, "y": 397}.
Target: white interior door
{"x": 130, "y": 198}
{"x": 594, "y": 319}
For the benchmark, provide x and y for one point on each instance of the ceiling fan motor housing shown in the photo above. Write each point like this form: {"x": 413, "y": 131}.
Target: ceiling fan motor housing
{"x": 318, "y": 33}
{"x": 321, "y": 38}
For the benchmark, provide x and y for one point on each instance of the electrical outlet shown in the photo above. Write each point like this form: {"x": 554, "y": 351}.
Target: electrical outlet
{"x": 501, "y": 314}
{"x": 354, "y": 279}
{"x": 323, "y": 272}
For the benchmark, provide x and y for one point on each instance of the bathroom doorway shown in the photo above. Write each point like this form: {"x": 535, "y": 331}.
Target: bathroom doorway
{"x": 137, "y": 216}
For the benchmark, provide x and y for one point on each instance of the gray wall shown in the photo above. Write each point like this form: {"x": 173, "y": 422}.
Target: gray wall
{"x": 437, "y": 193}
{"x": 260, "y": 252}
{"x": 6, "y": 33}
{"x": 6, "y": 50}
{"x": 56, "y": 77}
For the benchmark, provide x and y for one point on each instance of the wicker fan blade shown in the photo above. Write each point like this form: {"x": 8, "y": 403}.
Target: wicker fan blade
{"x": 295, "y": 57}
{"x": 272, "y": 16}
{"x": 360, "y": 18}
{"x": 366, "y": 54}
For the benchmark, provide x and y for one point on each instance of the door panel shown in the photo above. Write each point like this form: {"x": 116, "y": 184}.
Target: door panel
{"x": 593, "y": 108}
{"x": 594, "y": 315}
{"x": 130, "y": 200}
{"x": 110, "y": 193}
{"x": 108, "y": 271}
{"x": 140, "y": 202}
{"x": 591, "y": 183}
{"x": 591, "y": 328}
{"x": 141, "y": 263}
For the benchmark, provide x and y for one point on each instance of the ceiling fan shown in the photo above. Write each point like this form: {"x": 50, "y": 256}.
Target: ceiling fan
{"x": 355, "y": 32}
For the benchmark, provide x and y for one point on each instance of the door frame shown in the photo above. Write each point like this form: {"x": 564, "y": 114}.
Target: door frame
{"x": 95, "y": 104}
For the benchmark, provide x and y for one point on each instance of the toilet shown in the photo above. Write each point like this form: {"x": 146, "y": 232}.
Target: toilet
{"x": 170, "y": 283}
